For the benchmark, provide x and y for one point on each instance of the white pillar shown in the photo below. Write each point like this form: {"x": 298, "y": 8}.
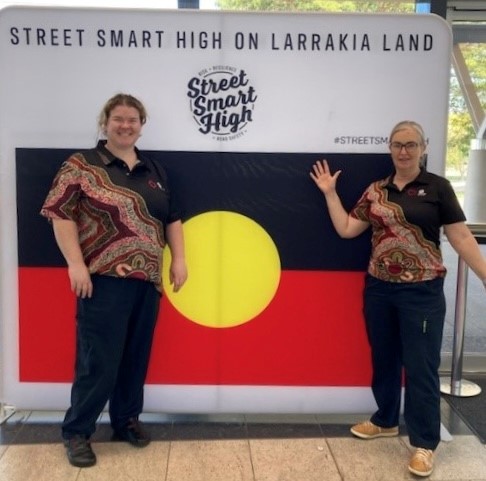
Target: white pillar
{"x": 475, "y": 194}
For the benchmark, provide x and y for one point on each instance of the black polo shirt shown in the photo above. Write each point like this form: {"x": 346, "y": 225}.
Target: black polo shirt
{"x": 147, "y": 179}
{"x": 428, "y": 202}
{"x": 406, "y": 226}
{"x": 120, "y": 214}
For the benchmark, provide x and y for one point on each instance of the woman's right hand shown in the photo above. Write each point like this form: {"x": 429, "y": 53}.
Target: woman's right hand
{"x": 80, "y": 279}
{"x": 323, "y": 178}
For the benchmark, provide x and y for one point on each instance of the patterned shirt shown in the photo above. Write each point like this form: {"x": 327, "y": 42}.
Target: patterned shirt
{"x": 406, "y": 226}
{"x": 120, "y": 214}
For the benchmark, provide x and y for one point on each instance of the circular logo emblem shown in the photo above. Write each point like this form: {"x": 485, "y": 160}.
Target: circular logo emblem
{"x": 222, "y": 101}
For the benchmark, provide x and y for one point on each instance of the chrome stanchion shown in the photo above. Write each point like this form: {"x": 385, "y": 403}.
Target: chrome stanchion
{"x": 455, "y": 385}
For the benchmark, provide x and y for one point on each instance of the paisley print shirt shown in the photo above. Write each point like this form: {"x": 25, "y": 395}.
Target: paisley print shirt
{"x": 406, "y": 226}
{"x": 120, "y": 214}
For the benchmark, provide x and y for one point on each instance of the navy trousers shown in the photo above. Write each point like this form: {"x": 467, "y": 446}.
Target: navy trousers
{"x": 114, "y": 331}
{"x": 404, "y": 323}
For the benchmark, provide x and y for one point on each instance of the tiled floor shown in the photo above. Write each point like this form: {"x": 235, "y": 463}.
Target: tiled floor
{"x": 234, "y": 448}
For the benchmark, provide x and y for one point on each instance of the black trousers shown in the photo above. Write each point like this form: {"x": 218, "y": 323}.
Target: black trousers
{"x": 114, "y": 331}
{"x": 404, "y": 323}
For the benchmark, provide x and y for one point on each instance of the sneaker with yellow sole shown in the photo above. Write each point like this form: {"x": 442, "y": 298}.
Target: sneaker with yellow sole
{"x": 422, "y": 462}
{"x": 368, "y": 430}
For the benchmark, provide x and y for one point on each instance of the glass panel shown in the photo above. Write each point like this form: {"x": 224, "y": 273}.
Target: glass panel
{"x": 460, "y": 133}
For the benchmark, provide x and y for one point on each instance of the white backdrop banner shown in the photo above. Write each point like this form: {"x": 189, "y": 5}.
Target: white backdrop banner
{"x": 240, "y": 105}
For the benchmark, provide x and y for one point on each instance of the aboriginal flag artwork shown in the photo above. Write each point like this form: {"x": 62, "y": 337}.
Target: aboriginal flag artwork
{"x": 240, "y": 106}
{"x": 310, "y": 329}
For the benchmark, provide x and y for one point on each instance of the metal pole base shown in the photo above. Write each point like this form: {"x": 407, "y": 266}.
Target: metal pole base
{"x": 462, "y": 388}
{"x": 5, "y": 412}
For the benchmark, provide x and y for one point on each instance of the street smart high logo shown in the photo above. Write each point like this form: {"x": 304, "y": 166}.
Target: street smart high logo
{"x": 222, "y": 101}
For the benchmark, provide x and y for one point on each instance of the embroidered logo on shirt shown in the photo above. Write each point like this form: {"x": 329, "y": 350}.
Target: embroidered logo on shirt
{"x": 155, "y": 185}
{"x": 413, "y": 192}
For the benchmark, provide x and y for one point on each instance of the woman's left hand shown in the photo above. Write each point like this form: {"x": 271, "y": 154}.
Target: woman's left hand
{"x": 177, "y": 273}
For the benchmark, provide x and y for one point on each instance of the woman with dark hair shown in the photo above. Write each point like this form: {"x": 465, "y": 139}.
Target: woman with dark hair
{"x": 404, "y": 303}
{"x": 113, "y": 214}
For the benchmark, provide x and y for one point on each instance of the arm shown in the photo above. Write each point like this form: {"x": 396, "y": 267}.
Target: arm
{"x": 345, "y": 225}
{"x": 465, "y": 245}
{"x": 66, "y": 234}
{"x": 178, "y": 269}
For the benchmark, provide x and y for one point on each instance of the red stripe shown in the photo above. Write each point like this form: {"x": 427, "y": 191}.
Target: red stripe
{"x": 311, "y": 334}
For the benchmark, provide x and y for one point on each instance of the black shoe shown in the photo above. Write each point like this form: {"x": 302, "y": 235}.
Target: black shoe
{"x": 79, "y": 452}
{"x": 133, "y": 433}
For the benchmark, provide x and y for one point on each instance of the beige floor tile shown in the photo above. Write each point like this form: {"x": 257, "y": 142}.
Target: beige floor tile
{"x": 371, "y": 460}
{"x": 292, "y": 460}
{"x": 2, "y": 450}
{"x": 464, "y": 458}
{"x": 216, "y": 460}
{"x": 36, "y": 462}
{"x": 122, "y": 462}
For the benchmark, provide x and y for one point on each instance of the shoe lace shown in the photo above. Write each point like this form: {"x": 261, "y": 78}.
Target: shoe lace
{"x": 79, "y": 443}
{"x": 423, "y": 454}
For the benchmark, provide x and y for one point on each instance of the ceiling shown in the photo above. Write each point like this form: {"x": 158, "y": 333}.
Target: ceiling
{"x": 466, "y": 10}
{"x": 468, "y": 20}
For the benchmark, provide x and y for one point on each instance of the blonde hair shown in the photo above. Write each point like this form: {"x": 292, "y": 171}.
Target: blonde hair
{"x": 409, "y": 124}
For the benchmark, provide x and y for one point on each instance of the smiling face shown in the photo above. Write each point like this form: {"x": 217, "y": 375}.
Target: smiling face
{"x": 123, "y": 127}
{"x": 407, "y": 146}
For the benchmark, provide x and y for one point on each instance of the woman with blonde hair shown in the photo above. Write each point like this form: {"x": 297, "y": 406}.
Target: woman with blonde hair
{"x": 404, "y": 302}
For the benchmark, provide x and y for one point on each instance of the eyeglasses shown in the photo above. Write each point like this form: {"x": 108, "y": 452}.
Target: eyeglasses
{"x": 410, "y": 147}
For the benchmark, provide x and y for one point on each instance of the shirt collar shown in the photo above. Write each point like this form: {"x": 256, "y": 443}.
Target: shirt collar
{"x": 422, "y": 178}
{"x": 108, "y": 158}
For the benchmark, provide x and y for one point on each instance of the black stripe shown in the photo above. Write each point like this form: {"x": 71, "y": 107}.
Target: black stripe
{"x": 273, "y": 189}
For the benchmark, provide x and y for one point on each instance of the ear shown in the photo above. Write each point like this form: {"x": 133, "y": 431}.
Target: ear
{"x": 423, "y": 160}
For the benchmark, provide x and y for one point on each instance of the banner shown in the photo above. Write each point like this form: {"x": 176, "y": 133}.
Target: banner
{"x": 240, "y": 107}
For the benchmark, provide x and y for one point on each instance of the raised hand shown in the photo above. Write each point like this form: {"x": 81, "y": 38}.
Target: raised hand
{"x": 323, "y": 178}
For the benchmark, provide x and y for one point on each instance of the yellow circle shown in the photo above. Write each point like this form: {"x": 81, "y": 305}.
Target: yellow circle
{"x": 234, "y": 270}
